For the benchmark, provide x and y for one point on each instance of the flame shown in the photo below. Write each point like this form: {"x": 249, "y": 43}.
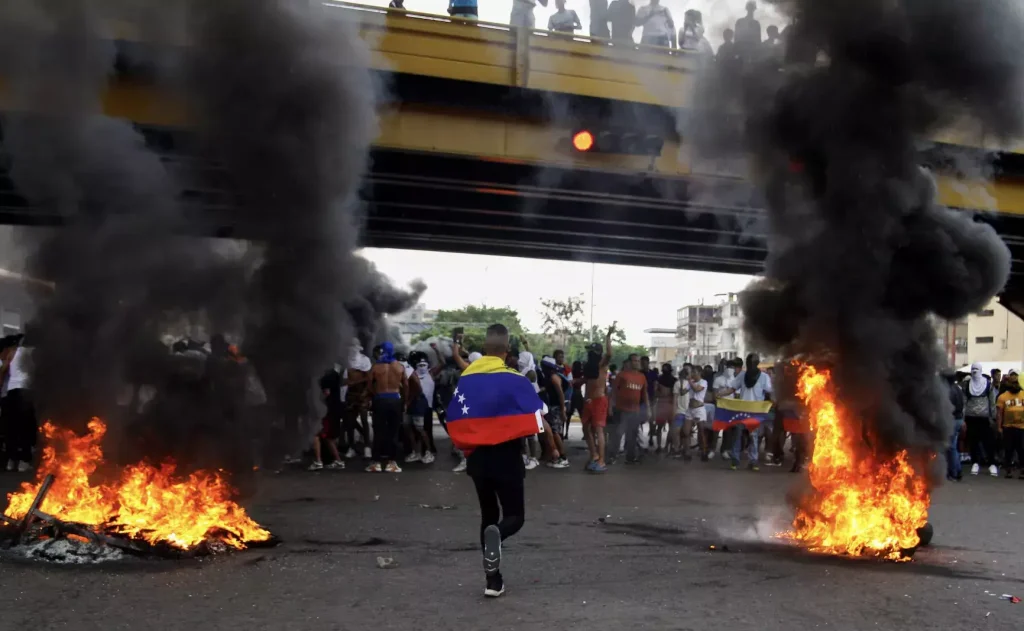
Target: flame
{"x": 862, "y": 504}
{"x": 147, "y": 502}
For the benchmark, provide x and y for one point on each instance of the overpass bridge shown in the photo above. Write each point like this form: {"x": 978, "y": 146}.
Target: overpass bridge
{"x": 473, "y": 157}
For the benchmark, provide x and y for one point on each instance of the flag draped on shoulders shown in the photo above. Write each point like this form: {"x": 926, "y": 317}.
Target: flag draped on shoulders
{"x": 491, "y": 405}
{"x": 729, "y": 412}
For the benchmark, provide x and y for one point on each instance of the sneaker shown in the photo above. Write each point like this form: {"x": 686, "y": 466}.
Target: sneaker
{"x": 495, "y": 586}
{"x": 992, "y": 471}
{"x": 774, "y": 463}
{"x": 428, "y": 458}
{"x": 459, "y": 468}
{"x": 711, "y": 455}
{"x": 753, "y": 467}
{"x": 11, "y": 465}
{"x": 316, "y": 466}
{"x": 367, "y": 453}
{"x": 492, "y": 550}
{"x": 561, "y": 463}
{"x": 532, "y": 464}
{"x": 975, "y": 469}
{"x": 392, "y": 467}
{"x": 336, "y": 465}
{"x": 351, "y": 453}
{"x": 413, "y": 457}
{"x": 374, "y": 468}
{"x": 734, "y": 465}
{"x": 24, "y": 467}
{"x": 597, "y": 468}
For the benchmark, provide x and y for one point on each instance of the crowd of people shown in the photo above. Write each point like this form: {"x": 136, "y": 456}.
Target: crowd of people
{"x": 988, "y": 412}
{"x": 619, "y": 20}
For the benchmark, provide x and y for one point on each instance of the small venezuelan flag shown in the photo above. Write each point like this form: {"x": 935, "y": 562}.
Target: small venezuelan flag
{"x": 492, "y": 404}
{"x": 729, "y": 412}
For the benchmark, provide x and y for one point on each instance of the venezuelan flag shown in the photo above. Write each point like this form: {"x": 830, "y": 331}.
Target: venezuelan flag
{"x": 729, "y": 412}
{"x": 795, "y": 423}
{"x": 492, "y": 404}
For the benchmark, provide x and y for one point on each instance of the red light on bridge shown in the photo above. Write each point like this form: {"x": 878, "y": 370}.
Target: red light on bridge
{"x": 583, "y": 140}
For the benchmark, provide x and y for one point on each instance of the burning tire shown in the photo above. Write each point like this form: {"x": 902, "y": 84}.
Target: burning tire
{"x": 925, "y": 532}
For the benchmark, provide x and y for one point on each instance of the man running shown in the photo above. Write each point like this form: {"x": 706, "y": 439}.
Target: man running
{"x": 388, "y": 386}
{"x": 494, "y": 407}
{"x": 595, "y": 407}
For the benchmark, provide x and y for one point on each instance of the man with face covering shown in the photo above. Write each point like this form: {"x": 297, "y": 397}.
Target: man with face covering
{"x": 388, "y": 386}
{"x": 752, "y": 384}
{"x": 979, "y": 412}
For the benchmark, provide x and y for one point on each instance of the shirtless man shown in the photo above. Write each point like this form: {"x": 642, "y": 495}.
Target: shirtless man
{"x": 388, "y": 387}
{"x": 595, "y": 407}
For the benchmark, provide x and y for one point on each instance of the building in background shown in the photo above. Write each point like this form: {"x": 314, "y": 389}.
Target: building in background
{"x": 413, "y": 321}
{"x": 663, "y": 347}
{"x": 16, "y": 306}
{"x": 710, "y": 331}
{"x": 992, "y": 335}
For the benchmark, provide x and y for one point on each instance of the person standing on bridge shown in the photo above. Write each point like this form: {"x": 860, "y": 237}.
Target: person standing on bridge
{"x": 466, "y": 9}
{"x": 522, "y": 13}
{"x": 563, "y": 20}
{"x": 493, "y": 408}
{"x": 599, "y": 18}
{"x": 657, "y": 24}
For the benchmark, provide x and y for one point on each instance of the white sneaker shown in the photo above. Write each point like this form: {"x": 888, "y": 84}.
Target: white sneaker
{"x": 351, "y": 453}
{"x": 459, "y": 468}
{"x": 316, "y": 466}
{"x": 428, "y": 458}
{"x": 392, "y": 467}
{"x": 374, "y": 467}
{"x": 367, "y": 452}
{"x": 992, "y": 471}
{"x": 11, "y": 465}
{"x": 413, "y": 457}
{"x": 337, "y": 465}
{"x": 975, "y": 469}
{"x": 711, "y": 455}
{"x": 561, "y": 463}
{"x": 532, "y": 464}
{"x": 24, "y": 466}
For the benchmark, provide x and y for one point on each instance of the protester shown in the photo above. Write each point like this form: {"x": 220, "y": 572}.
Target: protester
{"x": 651, "y": 375}
{"x": 658, "y": 27}
{"x": 397, "y": 4}
{"x": 553, "y": 393}
{"x": 728, "y": 57}
{"x": 357, "y": 401}
{"x": 331, "y": 388}
{"x": 680, "y": 444}
{"x": 997, "y": 380}
{"x": 1010, "y": 423}
{"x": 17, "y": 413}
{"x": 696, "y": 414}
{"x": 631, "y": 401}
{"x": 979, "y": 413}
{"x": 576, "y": 399}
{"x": 595, "y": 409}
{"x": 664, "y": 404}
{"x": 954, "y": 470}
{"x": 750, "y": 385}
{"x": 388, "y": 386}
{"x": 691, "y": 35}
{"x": 563, "y": 20}
{"x": 418, "y": 408}
{"x": 494, "y": 407}
{"x": 522, "y": 13}
{"x": 622, "y": 17}
{"x": 446, "y": 382}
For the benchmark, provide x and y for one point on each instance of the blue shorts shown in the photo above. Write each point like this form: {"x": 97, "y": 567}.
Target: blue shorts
{"x": 679, "y": 420}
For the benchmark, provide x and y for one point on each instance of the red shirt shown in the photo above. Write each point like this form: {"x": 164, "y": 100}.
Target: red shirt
{"x": 629, "y": 390}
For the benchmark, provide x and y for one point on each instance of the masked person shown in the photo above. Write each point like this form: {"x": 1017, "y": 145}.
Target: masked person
{"x": 494, "y": 407}
{"x": 1010, "y": 423}
{"x": 331, "y": 386}
{"x": 388, "y": 387}
{"x": 357, "y": 401}
{"x": 418, "y": 408}
{"x": 957, "y": 399}
{"x": 979, "y": 412}
{"x": 752, "y": 384}
{"x": 726, "y": 373}
{"x": 553, "y": 393}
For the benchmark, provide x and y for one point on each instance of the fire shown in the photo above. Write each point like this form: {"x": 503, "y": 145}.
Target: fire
{"x": 861, "y": 505}
{"x": 147, "y": 502}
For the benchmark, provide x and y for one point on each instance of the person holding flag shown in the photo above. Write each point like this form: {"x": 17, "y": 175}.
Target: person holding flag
{"x": 750, "y": 408}
{"x": 492, "y": 408}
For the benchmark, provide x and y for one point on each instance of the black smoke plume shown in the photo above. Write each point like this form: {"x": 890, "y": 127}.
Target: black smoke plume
{"x": 860, "y": 251}
{"x": 282, "y": 102}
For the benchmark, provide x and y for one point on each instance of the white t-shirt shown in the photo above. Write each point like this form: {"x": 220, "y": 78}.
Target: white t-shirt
{"x": 18, "y": 376}
{"x": 721, "y": 382}
{"x": 703, "y": 393}
{"x": 682, "y": 392}
{"x": 660, "y": 22}
{"x": 763, "y": 385}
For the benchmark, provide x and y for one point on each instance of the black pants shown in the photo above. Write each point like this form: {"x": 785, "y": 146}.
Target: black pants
{"x": 19, "y": 419}
{"x": 353, "y": 419}
{"x": 387, "y": 421}
{"x": 509, "y": 494}
{"x": 979, "y": 440}
{"x": 1013, "y": 441}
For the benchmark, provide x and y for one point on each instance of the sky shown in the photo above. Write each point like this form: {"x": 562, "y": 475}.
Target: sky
{"x": 717, "y": 14}
{"x": 637, "y": 297}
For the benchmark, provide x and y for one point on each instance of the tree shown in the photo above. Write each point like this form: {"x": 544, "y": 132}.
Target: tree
{"x": 474, "y": 320}
{"x": 563, "y": 319}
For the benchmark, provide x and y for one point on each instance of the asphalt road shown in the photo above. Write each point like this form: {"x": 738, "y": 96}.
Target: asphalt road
{"x": 598, "y": 552}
